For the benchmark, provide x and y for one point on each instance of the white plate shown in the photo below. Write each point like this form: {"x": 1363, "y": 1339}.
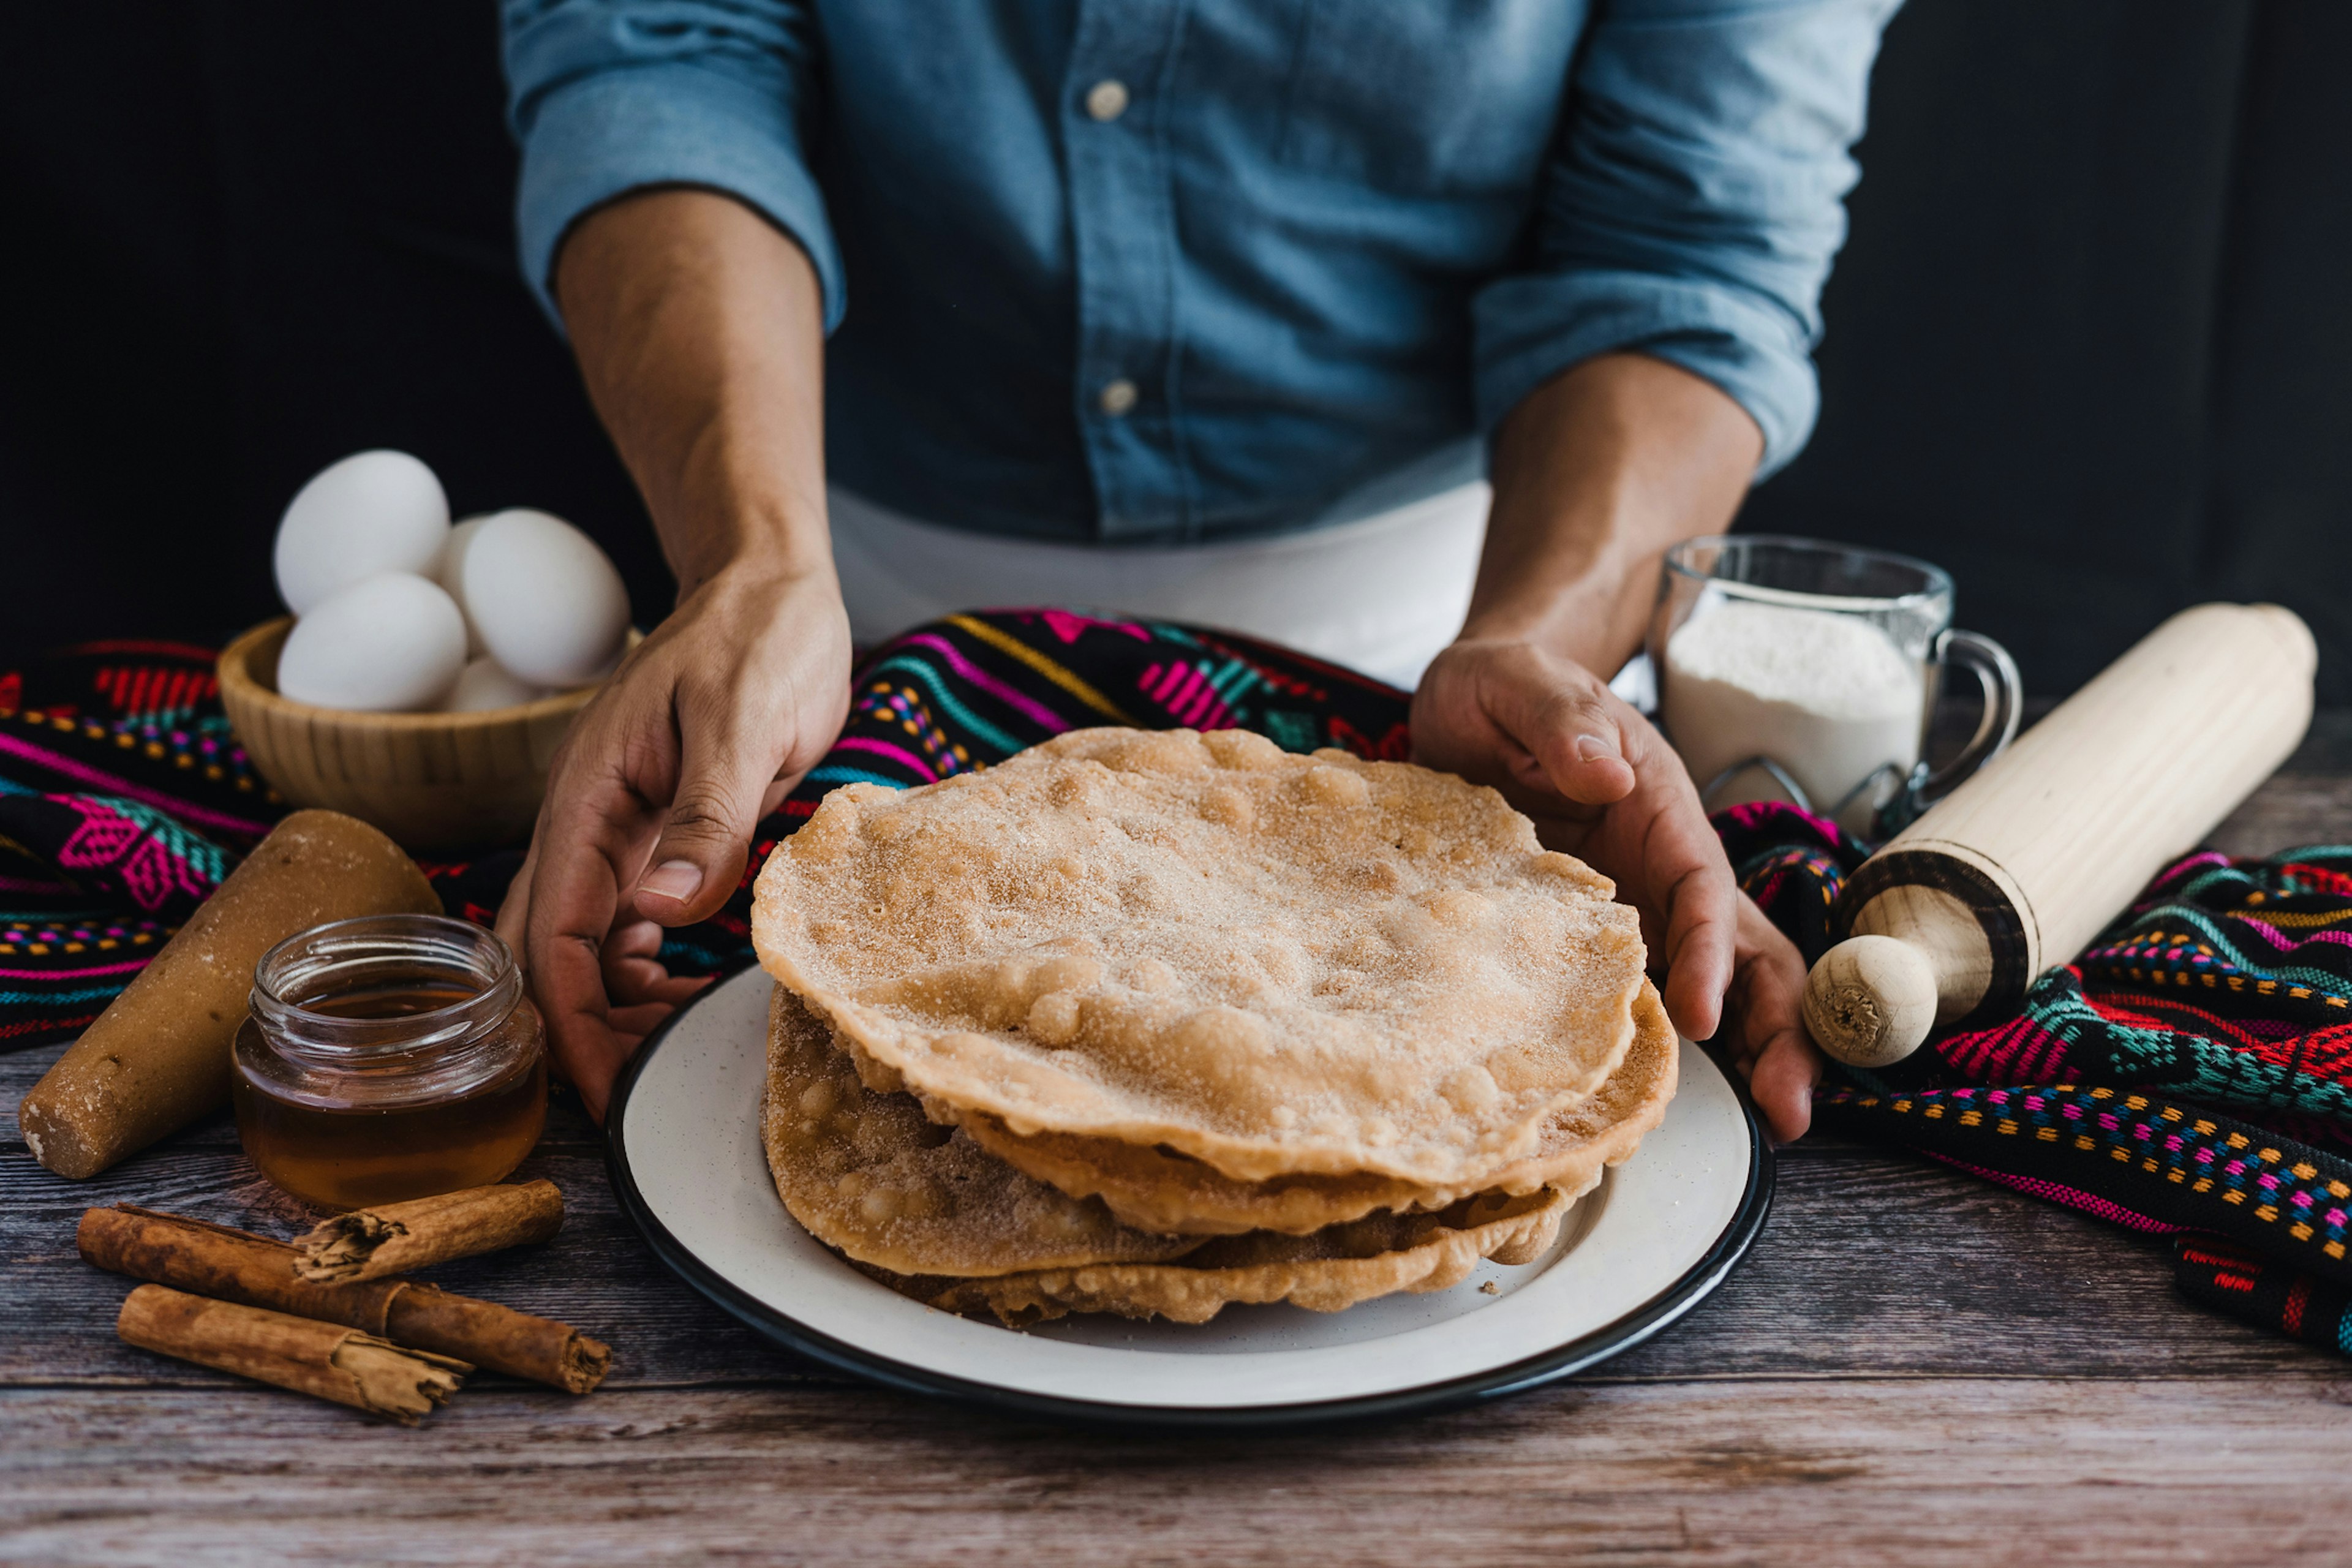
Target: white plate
{"x": 1640, "y": 1250}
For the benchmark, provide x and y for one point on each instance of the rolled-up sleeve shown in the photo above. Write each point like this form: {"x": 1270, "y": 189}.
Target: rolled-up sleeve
{"x": 611, "y": 96}
{"x": 1693, "y": 204}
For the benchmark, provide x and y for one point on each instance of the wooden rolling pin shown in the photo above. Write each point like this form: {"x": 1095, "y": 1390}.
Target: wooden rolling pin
{"x": 2023, "y": 864}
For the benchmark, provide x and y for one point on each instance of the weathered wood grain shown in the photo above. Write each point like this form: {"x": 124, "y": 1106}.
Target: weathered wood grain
{"x": 2291, "y": 811}
{"x": 2309, "y": 801}
{"x": 1847, "y": 1472}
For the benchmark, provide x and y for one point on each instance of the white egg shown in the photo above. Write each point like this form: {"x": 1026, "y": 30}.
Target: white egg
{"x": 449, "y": 571}
{"x": 373, "y": 513}
{"x": 546, "y": 603}
{"x": 392, "y": 644}
{"x": 482, "y": 686}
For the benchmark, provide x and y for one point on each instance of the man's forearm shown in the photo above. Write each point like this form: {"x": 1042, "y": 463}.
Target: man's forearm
{"x": 699, "y": 331}
{"x": 1596, "y": 474}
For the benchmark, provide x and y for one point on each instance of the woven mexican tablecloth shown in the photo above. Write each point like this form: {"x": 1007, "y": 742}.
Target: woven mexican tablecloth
{"x": 2191, "y": 1074}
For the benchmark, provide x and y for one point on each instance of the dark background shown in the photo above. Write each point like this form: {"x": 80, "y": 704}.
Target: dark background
{"x": 2086, "y": 347}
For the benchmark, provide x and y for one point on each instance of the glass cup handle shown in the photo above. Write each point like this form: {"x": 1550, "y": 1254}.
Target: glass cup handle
{"x": 2004, "y": 703}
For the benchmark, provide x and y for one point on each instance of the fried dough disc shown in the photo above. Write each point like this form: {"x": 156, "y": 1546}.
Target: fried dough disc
{"x": 1325, "y": 1272}
{"x": 1273, "y": 964}
{"x": 869, "y": 1175}
{"x": 1155, "y": 1190}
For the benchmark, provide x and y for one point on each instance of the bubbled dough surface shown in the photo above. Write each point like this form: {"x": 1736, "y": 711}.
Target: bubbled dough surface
{"x": 1273, "y": 964}
{"x": 1155, "y": 1190}
{"x": 1328, "y": 1271}
{"x": 869, "y": 1176}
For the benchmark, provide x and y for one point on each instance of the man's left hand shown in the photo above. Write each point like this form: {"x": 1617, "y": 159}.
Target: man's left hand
{"x": 1603, "y": 785}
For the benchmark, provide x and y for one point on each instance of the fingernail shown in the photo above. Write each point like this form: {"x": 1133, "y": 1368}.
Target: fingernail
{"x": 1593, "y": 748}
{"x": 672, "y": 879}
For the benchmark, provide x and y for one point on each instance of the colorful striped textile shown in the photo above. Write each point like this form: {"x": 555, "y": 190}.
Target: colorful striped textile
{"x": 2240, "y": 1281}
{"x": 2227, "y": 984}
{"x": 124, "y": 798}
{"x": 2192, "y": 1073}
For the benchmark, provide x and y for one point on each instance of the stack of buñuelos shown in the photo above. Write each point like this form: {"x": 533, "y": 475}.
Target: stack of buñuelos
{"x": 1148, "y": 1022}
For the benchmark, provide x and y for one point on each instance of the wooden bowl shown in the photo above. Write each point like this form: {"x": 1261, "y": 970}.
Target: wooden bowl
{"x": 435, "y": 782}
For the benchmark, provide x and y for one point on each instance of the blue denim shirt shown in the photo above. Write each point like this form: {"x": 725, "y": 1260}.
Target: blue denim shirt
{"x": 1164, "y": 270}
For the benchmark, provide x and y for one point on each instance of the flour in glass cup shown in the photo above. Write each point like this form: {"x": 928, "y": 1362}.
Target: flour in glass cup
{"x": 1828, "y": 697}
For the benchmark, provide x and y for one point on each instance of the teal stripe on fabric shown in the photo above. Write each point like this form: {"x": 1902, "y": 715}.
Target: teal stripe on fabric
{"x": 834, "y": 773}
{"x": 677, "y": 956}
{"x": 2205, "y": 926}
{"x": 2321, "y": 982}
{"x": 2216, "y": 1072}
{"x": 2198, "y": 886}
{"x": 929, "y": 678}
{"x": 1232, "y": 680}
{"x": 51, "y": 998}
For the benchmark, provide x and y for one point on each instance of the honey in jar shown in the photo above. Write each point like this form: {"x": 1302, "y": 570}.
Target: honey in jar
{"x": 387, "y": 1058}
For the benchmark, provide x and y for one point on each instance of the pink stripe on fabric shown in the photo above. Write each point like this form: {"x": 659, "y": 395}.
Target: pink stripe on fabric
{"x": 2022, "y": 1051}
{"x": 1209, "y": 712}
{"x": 1185, "y": 703}
{"x": 885, "y": 748}
{"x": 987, "y": 683}
{"x": 1821, "y": 824}
{"x": 130, "y": 968}
{"x": 2285, "y": 942}
{"x": 114, "y": 786}
{"x": 2039, "y": 1055}
{"x": 2071, "y": 1198}
{"x": 1068, "y": 624}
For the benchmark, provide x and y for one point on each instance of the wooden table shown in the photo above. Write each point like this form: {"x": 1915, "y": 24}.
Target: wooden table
{"x": 1911, "y": 1367}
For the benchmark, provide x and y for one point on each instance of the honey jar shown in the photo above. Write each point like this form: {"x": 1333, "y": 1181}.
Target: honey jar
{"x": 387, "y": 1058}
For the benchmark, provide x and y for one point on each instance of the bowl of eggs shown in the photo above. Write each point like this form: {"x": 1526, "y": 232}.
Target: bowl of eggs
{"x": 428, "y": 671}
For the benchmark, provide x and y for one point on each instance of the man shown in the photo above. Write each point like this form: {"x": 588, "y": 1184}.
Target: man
{"x": 1223, "y": 285}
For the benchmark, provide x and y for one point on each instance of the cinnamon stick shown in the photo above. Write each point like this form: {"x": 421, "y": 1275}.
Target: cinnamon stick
{"x": 238, "y": 1266}
{"x": 327, "y": 1361}
{"x": 372, "y": 1243}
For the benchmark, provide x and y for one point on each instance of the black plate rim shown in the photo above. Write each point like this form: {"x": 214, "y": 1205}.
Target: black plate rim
{"x": 1694, "y": 1286}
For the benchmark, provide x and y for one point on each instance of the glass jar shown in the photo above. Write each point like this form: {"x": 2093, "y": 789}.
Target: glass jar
{"x": 388, "y": 1057}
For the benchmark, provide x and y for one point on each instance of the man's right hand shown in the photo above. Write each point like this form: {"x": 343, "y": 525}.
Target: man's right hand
{"x": 699, "y": 331}
{"x": 652, "y": 803}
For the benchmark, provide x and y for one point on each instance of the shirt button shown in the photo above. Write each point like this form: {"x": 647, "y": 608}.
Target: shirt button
{"x": 1107, "y": 99}
{"x": 1117, "y": 397}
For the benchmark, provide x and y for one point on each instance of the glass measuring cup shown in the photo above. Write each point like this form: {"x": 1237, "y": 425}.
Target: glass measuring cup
{"x": 1804, "y": 670}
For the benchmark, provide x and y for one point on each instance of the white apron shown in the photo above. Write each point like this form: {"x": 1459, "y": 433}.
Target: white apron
{"x": 1382, "y": 594}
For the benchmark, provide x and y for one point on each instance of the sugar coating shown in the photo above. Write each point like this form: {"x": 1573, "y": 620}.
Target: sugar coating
{"x": 1272, "y": 963}
{"x": 1157, "y": 1190}
{"x": 866, "y": 1174}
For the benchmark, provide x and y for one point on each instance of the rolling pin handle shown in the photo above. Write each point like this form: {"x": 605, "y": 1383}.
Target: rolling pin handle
{"x": 1871, "y": 1001}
